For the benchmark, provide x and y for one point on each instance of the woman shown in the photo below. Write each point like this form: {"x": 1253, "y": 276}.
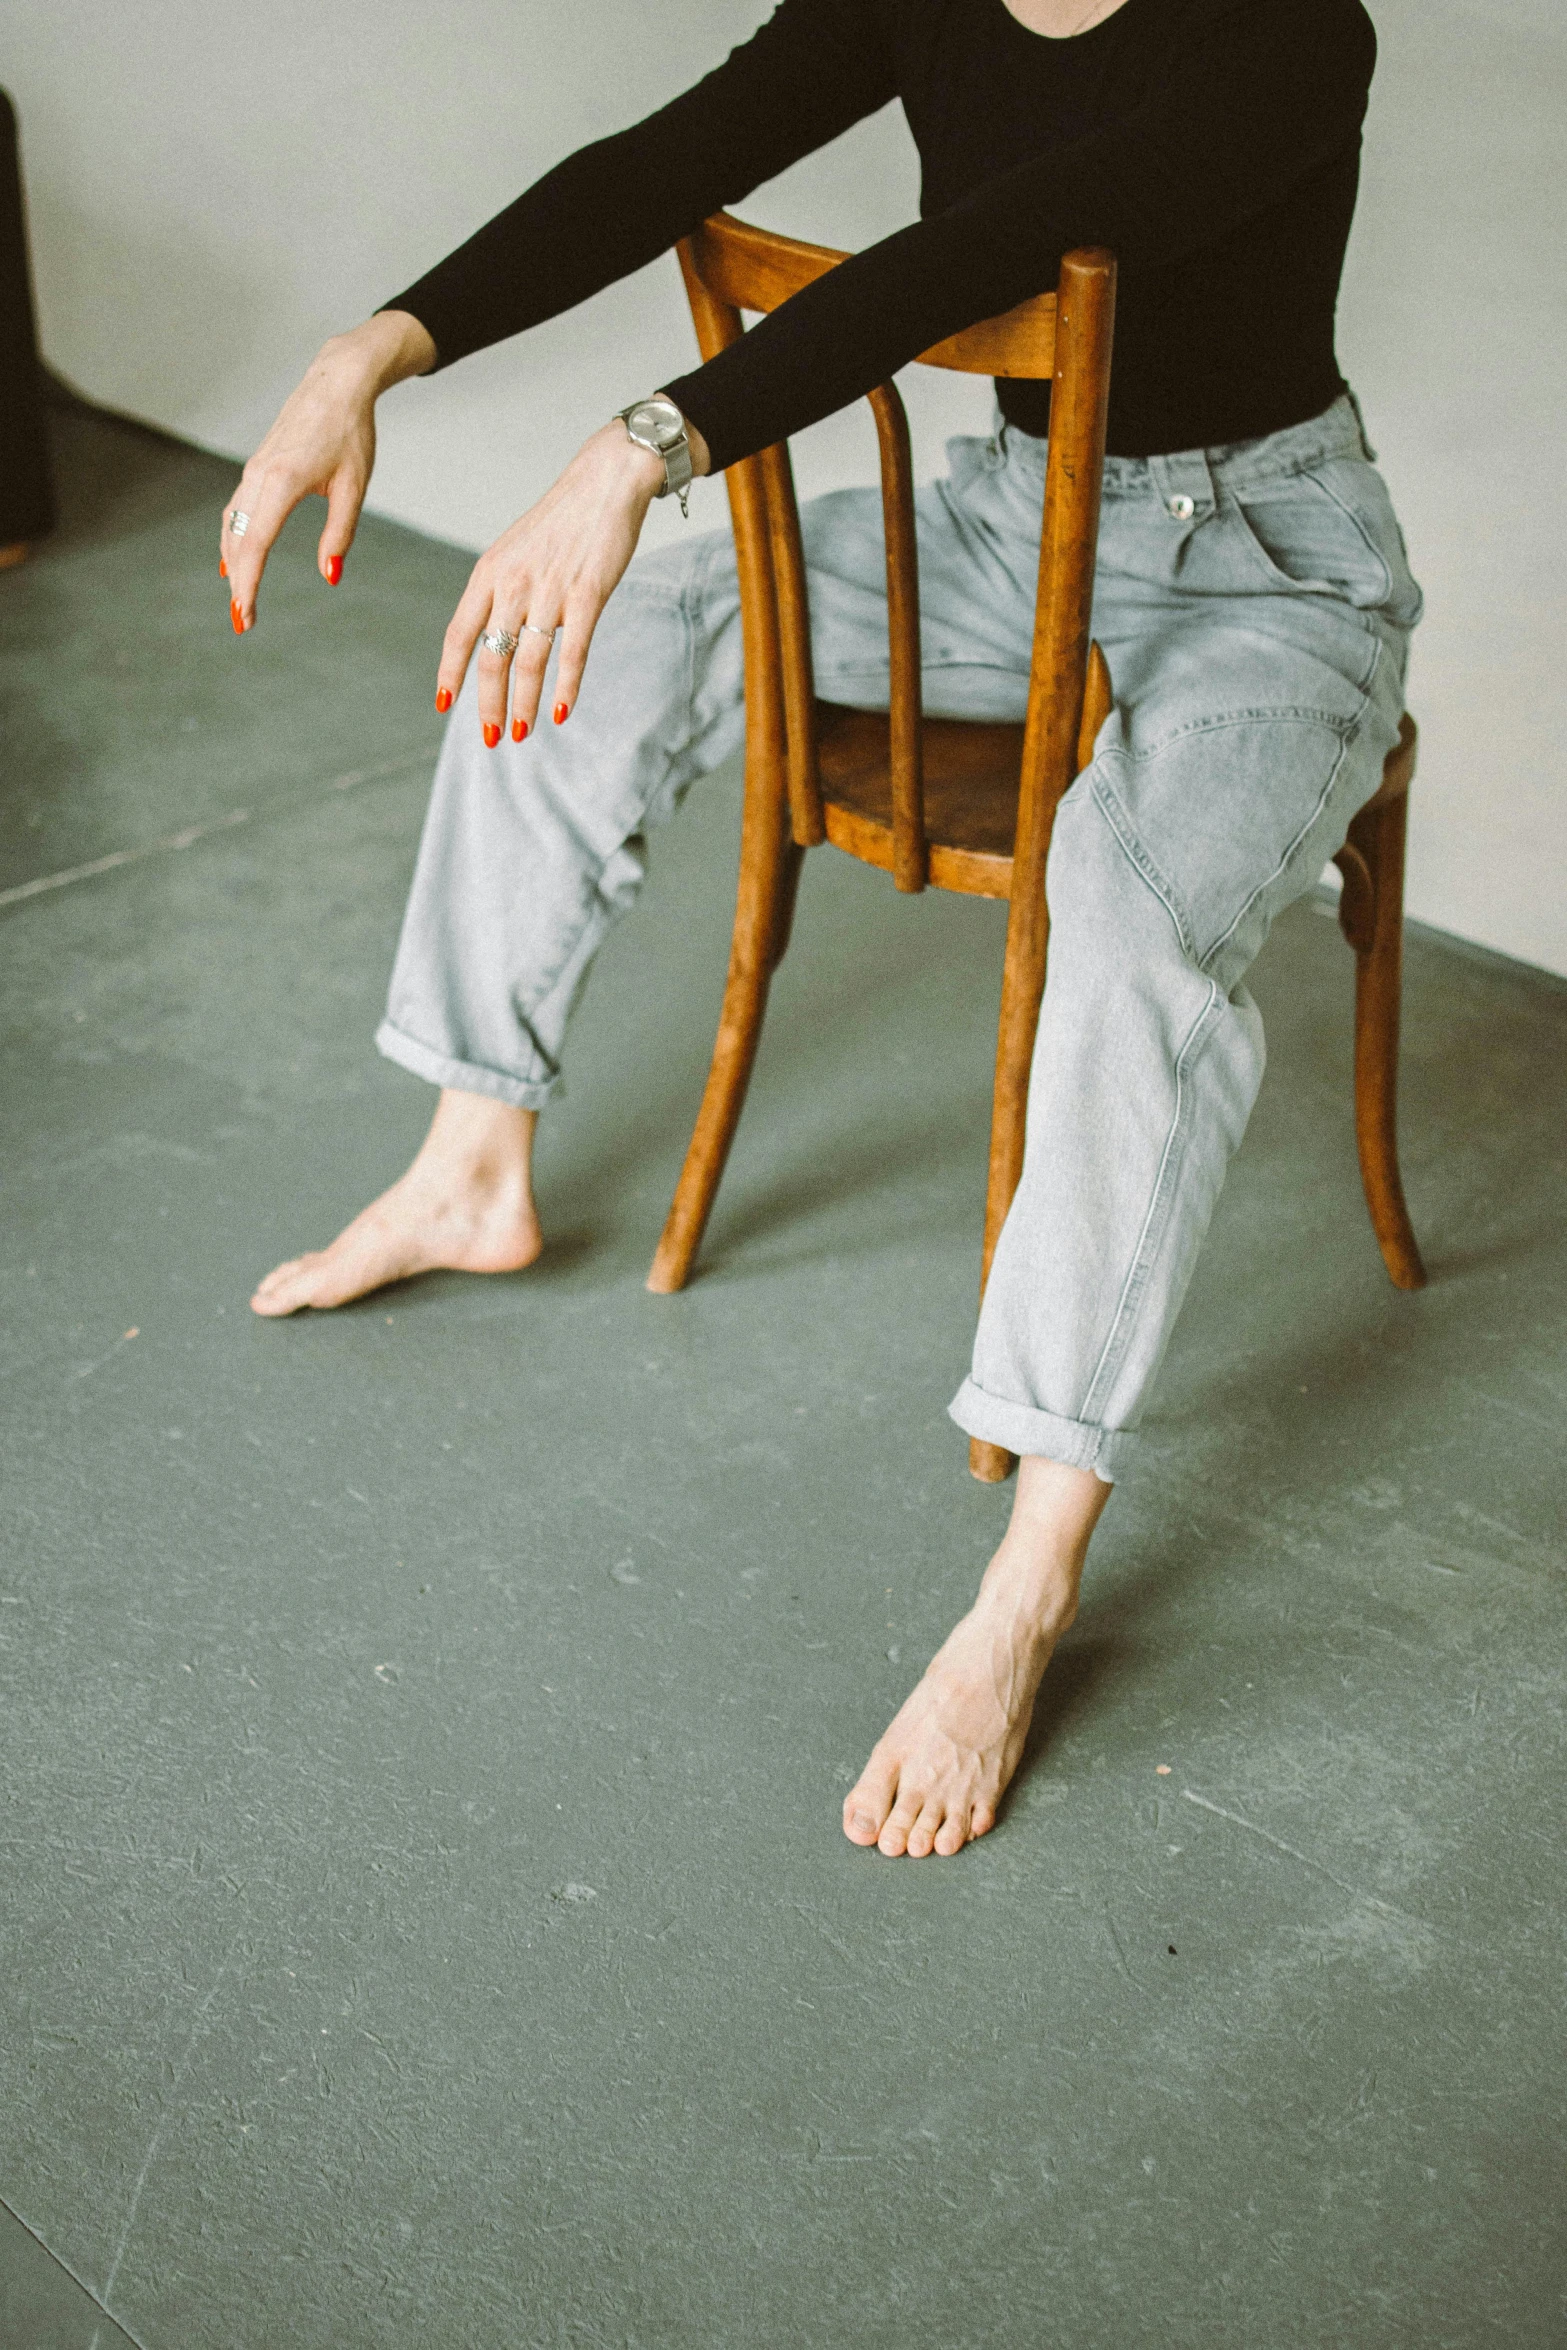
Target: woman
{"x": 1252, "y": 595}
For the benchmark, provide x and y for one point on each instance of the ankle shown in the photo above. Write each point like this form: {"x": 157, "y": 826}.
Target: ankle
{"x": 1036, "y": 1572}
{"x": 487, "y": 1143}
{"x": 1055, "y": 1511}
{"x": 1036, "y": 1586}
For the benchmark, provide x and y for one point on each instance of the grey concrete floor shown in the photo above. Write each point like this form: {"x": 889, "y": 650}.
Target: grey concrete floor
{"x": 424, "y": 1917}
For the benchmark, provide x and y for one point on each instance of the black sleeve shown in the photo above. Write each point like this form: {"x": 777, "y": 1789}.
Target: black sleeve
{"x": 1259, "y": 97}
{"x": 813, "y": 69}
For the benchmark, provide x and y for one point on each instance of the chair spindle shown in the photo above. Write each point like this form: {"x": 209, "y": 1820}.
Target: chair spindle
{"x": 906, "y": 762}
{"x": 794, "y": 648}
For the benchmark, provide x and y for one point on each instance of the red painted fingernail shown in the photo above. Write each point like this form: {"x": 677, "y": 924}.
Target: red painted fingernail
{"x": 443, "y": 701}
{"x": 238, "y": 619}
{"x": 223, "y": 569}
{"x": 561, "y": 713}
{"x": 492, "y": 735}
{"x": 519, "y": 728}
{"x": 334, "y": 570}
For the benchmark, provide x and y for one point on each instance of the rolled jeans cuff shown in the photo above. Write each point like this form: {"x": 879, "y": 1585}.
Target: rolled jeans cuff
{"x": 523, "y": 1093}
{"x": 1019, "y": 1428}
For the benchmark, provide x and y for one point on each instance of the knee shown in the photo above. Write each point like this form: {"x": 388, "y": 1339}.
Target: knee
{"x": 1114, "y": 918}
{"x": 1127, "y": 999}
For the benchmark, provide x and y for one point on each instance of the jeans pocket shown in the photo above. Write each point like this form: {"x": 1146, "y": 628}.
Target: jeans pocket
{"x": 1331, "y": 531}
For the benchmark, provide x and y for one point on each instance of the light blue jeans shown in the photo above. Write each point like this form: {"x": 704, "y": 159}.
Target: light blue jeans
{"x": 1255, "y": 604}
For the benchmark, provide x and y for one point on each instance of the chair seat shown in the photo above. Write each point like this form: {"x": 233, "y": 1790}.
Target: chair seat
{"x": 971, "y": 782}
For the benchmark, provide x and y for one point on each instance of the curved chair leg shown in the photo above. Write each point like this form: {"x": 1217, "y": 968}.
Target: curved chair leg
{"x": 1371, "y": 914}
{"x": 764, "y": 912}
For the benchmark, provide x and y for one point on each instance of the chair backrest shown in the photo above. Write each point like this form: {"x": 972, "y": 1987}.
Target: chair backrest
{"x": 729, "y": 266}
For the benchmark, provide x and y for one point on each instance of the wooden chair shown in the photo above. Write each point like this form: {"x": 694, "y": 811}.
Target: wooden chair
{"x": 964, "y": 806}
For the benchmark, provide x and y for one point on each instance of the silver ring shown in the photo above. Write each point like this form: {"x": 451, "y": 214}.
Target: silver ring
{"x": 534, "y": 630}
{"x": 238, "y": 523}
{"x": 499, "y": 641}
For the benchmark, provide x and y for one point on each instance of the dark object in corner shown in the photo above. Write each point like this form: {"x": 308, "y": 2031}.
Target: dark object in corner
{"x": 26, "y": 494}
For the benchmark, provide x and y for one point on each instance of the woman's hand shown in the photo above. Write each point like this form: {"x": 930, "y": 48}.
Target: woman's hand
{"x": 322, "y": 443}
{"x": 555, "y": 569}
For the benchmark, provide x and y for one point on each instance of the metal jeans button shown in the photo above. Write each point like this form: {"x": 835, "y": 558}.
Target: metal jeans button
{"x": 1183, "y": 507}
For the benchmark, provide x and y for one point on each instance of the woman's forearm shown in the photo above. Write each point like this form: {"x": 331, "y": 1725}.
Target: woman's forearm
{"x": 813, "y": 69}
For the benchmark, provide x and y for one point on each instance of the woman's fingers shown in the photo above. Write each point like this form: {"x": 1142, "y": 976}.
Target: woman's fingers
{"x": 582, "y": 618}
{"x": 528, "y": 667}
{"x": 516, "y": 678}
{"x": 265, "y": 505}
{"x": 555, "y": 569}
{"x": 495, "y": 671}
{"x": 344, "y": 497}
{"x": 462, "y": 634}
{"x": 322, "y": 444}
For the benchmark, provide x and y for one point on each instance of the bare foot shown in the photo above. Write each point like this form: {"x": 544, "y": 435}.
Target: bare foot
{"x": 466, "y": 1203}
{"x": 938, "y": 1774}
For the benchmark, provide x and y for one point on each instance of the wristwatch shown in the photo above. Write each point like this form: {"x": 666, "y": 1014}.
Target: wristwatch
{"x": 657, "y": 424}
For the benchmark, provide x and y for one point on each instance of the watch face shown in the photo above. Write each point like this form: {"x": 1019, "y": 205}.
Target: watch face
{"x": 659, "y": 419}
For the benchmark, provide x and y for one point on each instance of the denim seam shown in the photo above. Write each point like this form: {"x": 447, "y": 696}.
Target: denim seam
{"x": 1277, "y": 713}
{"x": 1222, "y": 941}
{"x": 1124, "y": 833}
{"x": 1138, "y": 1272}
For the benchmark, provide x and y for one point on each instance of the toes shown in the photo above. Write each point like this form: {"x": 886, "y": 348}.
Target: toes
{"x": 278, "y": 1275}
{"x": 314, "y": 1280}
{"x": 327, "y": 1277}
{"x": 981, "y": 1820}
{"x": 953, "y": 1833}
{"x": 923, "y": 1834}
{"x": 894, "y": 1838}
{"x": 866, "y": 1806}
{"x": 284, "y": 1289}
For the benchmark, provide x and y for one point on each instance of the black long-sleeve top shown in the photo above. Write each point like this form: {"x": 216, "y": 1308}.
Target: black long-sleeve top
{"x": 1213, "y": 145}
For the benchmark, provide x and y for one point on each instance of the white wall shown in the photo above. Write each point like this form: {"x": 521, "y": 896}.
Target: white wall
{"x": 1453, "y": 328}
{"x": 214, "y": 190}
